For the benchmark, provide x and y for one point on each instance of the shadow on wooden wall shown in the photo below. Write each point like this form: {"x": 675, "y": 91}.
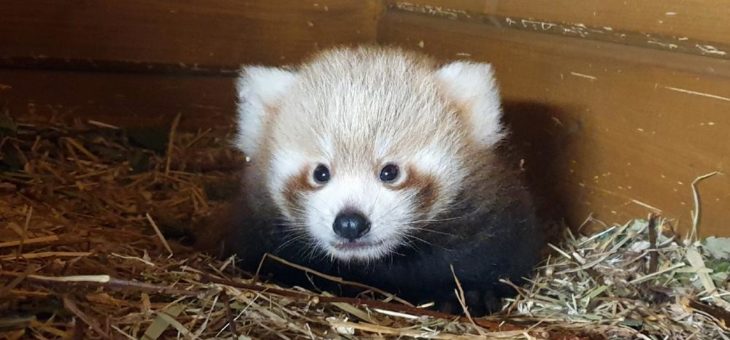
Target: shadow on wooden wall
{"x": 542, "y": 148}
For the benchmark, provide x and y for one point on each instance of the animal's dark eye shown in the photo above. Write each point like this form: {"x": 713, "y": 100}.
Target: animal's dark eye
{"x": 389, "y": 173}
{"x": 321, "y": 174}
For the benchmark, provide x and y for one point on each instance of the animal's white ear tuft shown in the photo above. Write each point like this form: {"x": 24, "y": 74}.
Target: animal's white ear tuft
{"x": 473, "y": 88}
{"x": 259, "y": 89}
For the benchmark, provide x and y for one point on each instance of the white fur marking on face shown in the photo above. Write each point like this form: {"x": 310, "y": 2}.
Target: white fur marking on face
{"x": 433, "y": 159}
{"x": 472, "y": 86}
{"x": 386, "y": 209}
{"x": 258, "y": 88}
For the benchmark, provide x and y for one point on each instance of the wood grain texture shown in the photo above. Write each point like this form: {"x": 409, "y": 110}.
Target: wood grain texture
{"x": 689, "y": 26}
{"x": 607, "y": 128}
{"x": 216, "y": 32}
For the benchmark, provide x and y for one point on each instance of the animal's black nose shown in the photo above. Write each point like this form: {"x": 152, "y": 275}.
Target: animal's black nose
{"x": 351, "y": 224}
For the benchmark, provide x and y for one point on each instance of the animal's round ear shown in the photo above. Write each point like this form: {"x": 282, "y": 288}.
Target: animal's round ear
{"x": 471, "y": 86}
{"x": 259, "y": 90}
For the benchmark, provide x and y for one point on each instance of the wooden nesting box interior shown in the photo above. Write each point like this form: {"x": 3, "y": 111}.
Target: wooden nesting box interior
{"x": 618, "y": 106}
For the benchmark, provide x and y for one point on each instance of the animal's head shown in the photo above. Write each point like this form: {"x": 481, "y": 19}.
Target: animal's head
{"x": 358, "y": 148}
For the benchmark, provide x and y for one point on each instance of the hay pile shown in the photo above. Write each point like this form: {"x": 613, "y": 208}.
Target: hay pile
{"x": 83, "y": 209}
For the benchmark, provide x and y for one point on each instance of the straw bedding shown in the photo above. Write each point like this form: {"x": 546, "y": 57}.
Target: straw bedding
{"x": 84, "y": 207}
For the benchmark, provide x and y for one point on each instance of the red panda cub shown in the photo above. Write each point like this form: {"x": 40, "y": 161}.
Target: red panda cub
{"x": 381, "y": 166}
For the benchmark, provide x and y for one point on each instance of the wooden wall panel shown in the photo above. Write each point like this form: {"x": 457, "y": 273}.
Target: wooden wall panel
{"x": 607, "y": 128}
{"x": 216, "y": 32}
{"x": 122, "y": 99}
{"x": 690, "y": 26}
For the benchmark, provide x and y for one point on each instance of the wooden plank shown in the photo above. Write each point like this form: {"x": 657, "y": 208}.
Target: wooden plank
{"x": 676, "y": 25}
{"x": 134, "y": 100}
{"x": 213, "y": 33}
{"x": 607, "y": 128}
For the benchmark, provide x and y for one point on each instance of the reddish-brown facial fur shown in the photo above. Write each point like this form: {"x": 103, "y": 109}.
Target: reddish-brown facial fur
{"x": 424, "y": 185}
{"x": 296, "y": 187}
